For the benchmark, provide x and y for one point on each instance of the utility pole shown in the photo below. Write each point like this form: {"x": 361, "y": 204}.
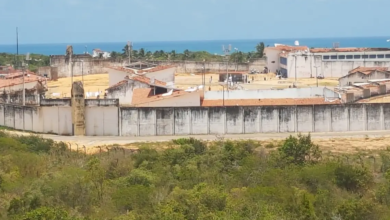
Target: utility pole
{"x": 226, "y": 54}
{"x": 316, "y": 74}
{"x": 295, "y": 55}
{"x": 204, "y": 74}
{"x": 129, "y": 49}
{"x": 236, "y": 49}
{"x": 17, "y": 48}
{"x": 82, "y": 71}
{"x": 24, "y": 87}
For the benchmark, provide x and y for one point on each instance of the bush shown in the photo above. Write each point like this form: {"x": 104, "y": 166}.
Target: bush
{"x": 352, "y": 178}
{"x": 199, "y": 146}
{"x": 299, "y": 150}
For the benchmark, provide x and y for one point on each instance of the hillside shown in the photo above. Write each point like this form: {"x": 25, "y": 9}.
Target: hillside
{"x": 191, "y": 179}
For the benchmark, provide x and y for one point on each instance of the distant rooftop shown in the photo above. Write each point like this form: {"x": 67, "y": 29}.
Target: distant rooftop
{"x": 268, "y": 102}
{"x": 144, "y": 95}
{"x": 346, "y": 49}
{"x": 142, "y": 79}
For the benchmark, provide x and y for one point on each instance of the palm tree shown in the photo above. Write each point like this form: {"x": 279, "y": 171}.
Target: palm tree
{"x": 173, "y": 54}
{"x": 141, "y": 53}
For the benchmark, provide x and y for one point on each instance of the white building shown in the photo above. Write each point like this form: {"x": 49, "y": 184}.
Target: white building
{"x": 327, "y": 62}
{"x": 273, "y": 55}
{"x": 162, "y": 73}
{"x": 100, "y": 53}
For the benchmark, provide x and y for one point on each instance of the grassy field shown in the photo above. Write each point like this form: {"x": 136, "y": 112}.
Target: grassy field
{"x": 99, "y": 82}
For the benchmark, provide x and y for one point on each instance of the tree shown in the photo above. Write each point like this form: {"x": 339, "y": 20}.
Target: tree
{"x": 186, "y": 54}
{"x": 299, "y": 150}
{"x": 141, "y": 53}
{"x": 260, "y": 50}
{"x": 96, "y": 174}
{"x": 173, "y": 54}
{"x": 125, "y": 50}
{"x": 114, "y": 55}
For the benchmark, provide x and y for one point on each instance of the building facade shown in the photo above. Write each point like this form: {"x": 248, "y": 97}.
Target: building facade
{"x": 336, "y": 62}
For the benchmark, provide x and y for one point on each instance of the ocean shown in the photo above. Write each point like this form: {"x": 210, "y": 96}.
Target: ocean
{"x": 212, "y": 46}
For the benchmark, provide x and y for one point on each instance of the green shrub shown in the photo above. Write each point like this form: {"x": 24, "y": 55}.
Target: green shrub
{"x": 352, "y": 178}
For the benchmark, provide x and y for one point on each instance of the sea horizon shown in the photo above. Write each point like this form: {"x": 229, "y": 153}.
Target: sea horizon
{"x": 211, "y": 46}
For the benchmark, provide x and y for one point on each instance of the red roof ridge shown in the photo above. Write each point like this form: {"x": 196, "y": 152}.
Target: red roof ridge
{"x": 142, "y": 100}
{"x": 157, "y": 68}
{"x": 267, "y": 102}
{"x": 142, "y": 79}
{"x": 121, "y": 69}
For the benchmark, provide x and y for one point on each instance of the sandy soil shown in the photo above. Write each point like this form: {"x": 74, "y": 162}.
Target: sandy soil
{"x": 378, "y": 99}
{"x": 99, "y": 82}
{"x": 92, "y": 83}
{"x": 185, "y": 80}
{"x": 336, "y": 142}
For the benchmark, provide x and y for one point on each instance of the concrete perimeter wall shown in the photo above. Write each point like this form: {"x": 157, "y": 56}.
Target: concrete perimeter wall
{"x": 47, "y": 119}
{"x": 244, "y": 120}
{"x": 105, "y": 118}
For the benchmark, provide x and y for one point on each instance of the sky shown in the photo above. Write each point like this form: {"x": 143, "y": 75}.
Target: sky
{"x": 83, "y": 21}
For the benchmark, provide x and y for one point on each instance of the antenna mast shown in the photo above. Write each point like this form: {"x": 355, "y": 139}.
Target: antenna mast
{"x": 17, "y": 48}
{"x": 226, "y": 52}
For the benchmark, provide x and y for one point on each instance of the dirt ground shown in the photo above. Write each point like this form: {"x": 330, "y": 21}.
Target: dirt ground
{"x": 92, "y": 83}
{"x": 99, "y": 82}
{"x": 336, "y": 142}
{"x": 378, "y": 99}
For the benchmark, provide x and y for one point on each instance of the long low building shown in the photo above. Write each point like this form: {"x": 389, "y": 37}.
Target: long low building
{"x": 301, "y": 62}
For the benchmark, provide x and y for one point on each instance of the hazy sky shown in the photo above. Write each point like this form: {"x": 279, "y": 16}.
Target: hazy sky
{"x": 79, "y": 21}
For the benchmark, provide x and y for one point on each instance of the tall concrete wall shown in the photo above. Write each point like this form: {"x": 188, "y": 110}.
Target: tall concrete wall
{"x": 86, "y": 64}
{"x": 49, "y": 119}
{"x": 82, "y": 64}
{"x": 244, "y": 120}
{"x": 194, "y": 66}
{"x": 103, "y": 118}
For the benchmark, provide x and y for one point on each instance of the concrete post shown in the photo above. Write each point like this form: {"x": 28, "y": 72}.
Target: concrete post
{"x": 78, "y": 109}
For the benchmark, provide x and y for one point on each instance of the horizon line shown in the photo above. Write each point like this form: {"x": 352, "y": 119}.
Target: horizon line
{"x": 165, "y": 41}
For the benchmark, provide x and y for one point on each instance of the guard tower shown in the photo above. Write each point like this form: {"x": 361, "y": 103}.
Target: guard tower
{"x": 78, "y": 109}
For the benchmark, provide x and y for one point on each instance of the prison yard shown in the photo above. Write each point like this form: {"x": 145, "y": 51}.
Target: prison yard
{"x": 99, "y": 83}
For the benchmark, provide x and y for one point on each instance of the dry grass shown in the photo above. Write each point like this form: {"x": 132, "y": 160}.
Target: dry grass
{"x": 379, "y": 99}
{"x": 92, "y": 83}
{"x": 258, "y": 81}
{"x": 332, "y": 145}
{"x": 342, "y": 145}
{"x": 99, "y": 82}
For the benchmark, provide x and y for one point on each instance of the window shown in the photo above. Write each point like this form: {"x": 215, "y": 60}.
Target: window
{"x": 380, "y": 56}
{"x": 387, "y": 55}
{"x": 273, "y": 62}
{"x": 387, "y": 75}
{"x": 283, "y": 60}
{"x": 341, "y": 57}
{"x": 356, "y": 56}
{"x": 372, "y": 56}
{"x": 365, "y": 56}
{"x": 327, "y": 57}
{"x": 349, "y": 57}
{"x": 333, "y": 57}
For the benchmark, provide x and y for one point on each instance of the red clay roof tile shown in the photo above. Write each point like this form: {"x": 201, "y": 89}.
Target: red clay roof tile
{"x": 368, "y": 70}
{"x": 155, "y": 69}
{"x": 141, "y": 96}
{"x": 266, "y": 102}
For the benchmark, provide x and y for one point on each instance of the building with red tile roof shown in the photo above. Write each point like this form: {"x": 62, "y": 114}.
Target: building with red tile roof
{"x": 269, "y": 102}
{"x": 143, "y": 97}
{"x": 364, "y": 75}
